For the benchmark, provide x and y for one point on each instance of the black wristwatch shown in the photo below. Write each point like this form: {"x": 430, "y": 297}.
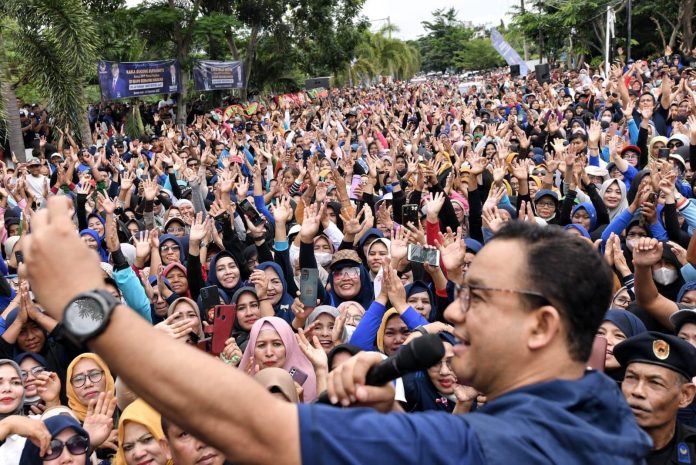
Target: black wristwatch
{"x": 88, "y": 314}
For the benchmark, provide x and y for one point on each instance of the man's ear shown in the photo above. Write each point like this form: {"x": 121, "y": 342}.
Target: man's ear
{"x": 544, "y": 326}
{"x": 686, "y": 396}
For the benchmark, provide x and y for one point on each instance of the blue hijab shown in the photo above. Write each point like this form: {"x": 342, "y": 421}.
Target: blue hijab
{"x": 283, "y": 307}
{"x": 627, "y": 322}
{"x": 97, "y": 216}
{"x": 180, "y": 241}
{"x": 578, "y": 227}
{"x": 420, "y": 286}
{"x": 55, "y": 425}
{"x": 366, "y": 294}
{"x": 591, "y": 212}
{"x": 95, "y": 235}
{"x": 688, "y": 286}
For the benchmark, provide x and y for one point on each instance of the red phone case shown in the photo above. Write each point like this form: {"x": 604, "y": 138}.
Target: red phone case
{"x": 222, "y": 327}
{"x": 598, "y": 355}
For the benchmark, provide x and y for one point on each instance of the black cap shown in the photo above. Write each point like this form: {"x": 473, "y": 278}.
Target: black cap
{"x": 683, "y": 316}
{"x": 658, "y": 349}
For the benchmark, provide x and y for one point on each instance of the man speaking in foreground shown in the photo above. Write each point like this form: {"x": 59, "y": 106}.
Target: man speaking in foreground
{"x": 526, "y": 318}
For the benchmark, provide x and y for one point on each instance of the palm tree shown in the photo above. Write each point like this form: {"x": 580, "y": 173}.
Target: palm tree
{"x": 379, "y": 55}
{"x": 8, "y": 106}
{"x": 57, "y": 41}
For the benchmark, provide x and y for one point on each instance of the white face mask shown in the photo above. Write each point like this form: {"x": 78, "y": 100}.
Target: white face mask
{"x": 665, "y": 276}
{"x": 630, "y": 243}
{"x": 323, "y": 258}
{"x": 607, "y": 119}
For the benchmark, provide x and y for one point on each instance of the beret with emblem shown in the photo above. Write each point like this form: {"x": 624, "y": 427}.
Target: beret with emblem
{"x": 658, "y": 349}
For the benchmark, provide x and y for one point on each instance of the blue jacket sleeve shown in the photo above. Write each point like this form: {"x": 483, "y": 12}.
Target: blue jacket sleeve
{"x": 617, "y": 225}
{"x": 366, "y": 332}
{"x": 658, "y": 232}
{"x": 133, "y": 292}
{"x": 633, "y": 131}
{"x": 629, "y": 175}
{"x": 688, "y": 211}
{"x": 261, "y": 207}
{"x": 413, "y": 319}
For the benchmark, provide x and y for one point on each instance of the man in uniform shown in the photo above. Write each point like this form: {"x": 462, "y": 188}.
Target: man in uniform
{"x": 659, "y": 368}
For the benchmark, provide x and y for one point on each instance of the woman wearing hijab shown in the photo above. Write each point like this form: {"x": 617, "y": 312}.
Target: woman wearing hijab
{"x": 341, "y": 353}
{"x": 91, "y": 238}
{"x": 177, "y": 275}
{"x": 420, "y": 297}
{"x": 69, "y": 444}
{"x": 617, "y": 326}
{"x": 139, "y": 436}
{"x": 377, "y": 252}
{"x": 433, "y": 389}
{"x": 185, "y": 309}
{"x": 88, "y": 376}
{"x": 248, "y": 312}
{"x": 224, "y": 273}
{"x": 354, "y": 313}
{"x": 277, "y": 292}
{"x": 11, "y": 389}
{"x": 172, "y": 249}
{"x": 613, "y": 193}
{"x": 31, "y": 365}
{"x": 272, "y": 344}
{"x": 279, "y": 383}
{"x": 322, "y": 320}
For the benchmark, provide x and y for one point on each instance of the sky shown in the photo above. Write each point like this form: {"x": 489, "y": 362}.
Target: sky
{"x": 408, "y": 14}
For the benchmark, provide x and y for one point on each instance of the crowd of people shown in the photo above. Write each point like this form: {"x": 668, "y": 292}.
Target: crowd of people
{"x": 301, "y": 243}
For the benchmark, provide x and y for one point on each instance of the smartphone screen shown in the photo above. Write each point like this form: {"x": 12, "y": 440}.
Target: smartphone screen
{"x": 250, "y": 212}
{"x": 419, "y": 254}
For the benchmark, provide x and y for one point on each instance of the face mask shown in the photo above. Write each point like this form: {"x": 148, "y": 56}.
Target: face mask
{"x": 323, "y": 258}
{"x": 665, "y": 275}
{"x": 630, "y": 243}
{"x": 606, "y": 119}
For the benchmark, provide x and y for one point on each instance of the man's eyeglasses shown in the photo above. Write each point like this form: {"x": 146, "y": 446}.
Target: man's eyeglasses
{"x": 463, "y": 293}
{"x": 77, "y": 445}
{"x": 94, "y": 376}
{"x": 34, "y": 372}
{"x": 352, "y": 272}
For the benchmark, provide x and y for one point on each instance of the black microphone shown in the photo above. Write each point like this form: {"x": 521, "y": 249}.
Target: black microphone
{"x": 420, "y": 354}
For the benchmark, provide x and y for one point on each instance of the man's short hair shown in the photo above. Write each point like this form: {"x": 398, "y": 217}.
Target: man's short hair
{"x": 571, "y": 275}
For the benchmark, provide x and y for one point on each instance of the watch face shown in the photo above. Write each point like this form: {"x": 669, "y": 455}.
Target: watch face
{"x": 85, "y": 316}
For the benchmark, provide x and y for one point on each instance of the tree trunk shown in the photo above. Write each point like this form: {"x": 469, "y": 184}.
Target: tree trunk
{"x": 181, "y": 100}
{"x": 83, "y": 121}
{"x": 687, "y": 30}
{"x": 9, "y": 100}
{"x": 249, "y": 58}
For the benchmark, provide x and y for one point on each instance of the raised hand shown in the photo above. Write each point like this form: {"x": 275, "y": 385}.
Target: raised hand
{"x": 260, "y": 281}
{"x": 108, "y": 205}
{"x": 48, "y": 387}
{"x": 395, "y": 288}
{"x": 647, "y": 252}
{"x": 398, "y": 249}
{"x": 199, "y": 228}
{"x": 433, "y": 206}
{"x": 282, "y": 210}
{"x": 314, "y": 352}
{"x": 99, "y": 422}
{"x": 141, "y": 241}
{"x": 492, "y": 219}
{"x": 311, "y": 222}
{"x": 150, "y": 189}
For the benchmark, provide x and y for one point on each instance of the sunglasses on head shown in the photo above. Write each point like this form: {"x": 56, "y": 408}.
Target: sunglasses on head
{"x": 77, "y": 445}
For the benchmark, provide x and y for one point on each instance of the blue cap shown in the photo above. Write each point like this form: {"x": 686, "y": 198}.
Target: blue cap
{"x": 473, "y": 245}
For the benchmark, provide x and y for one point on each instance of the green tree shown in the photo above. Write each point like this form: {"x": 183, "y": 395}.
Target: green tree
{"x": 445, "y": 36}
{"x": 477, "y": 54}
{"x": 57, "y": 41}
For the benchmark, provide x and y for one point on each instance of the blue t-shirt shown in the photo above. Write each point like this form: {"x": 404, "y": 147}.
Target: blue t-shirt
{"x": 329, "y": 435}
{"x": 568, "y": 422}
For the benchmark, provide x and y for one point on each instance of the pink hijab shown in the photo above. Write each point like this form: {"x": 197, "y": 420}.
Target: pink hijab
{"x": 293, "y": 354}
